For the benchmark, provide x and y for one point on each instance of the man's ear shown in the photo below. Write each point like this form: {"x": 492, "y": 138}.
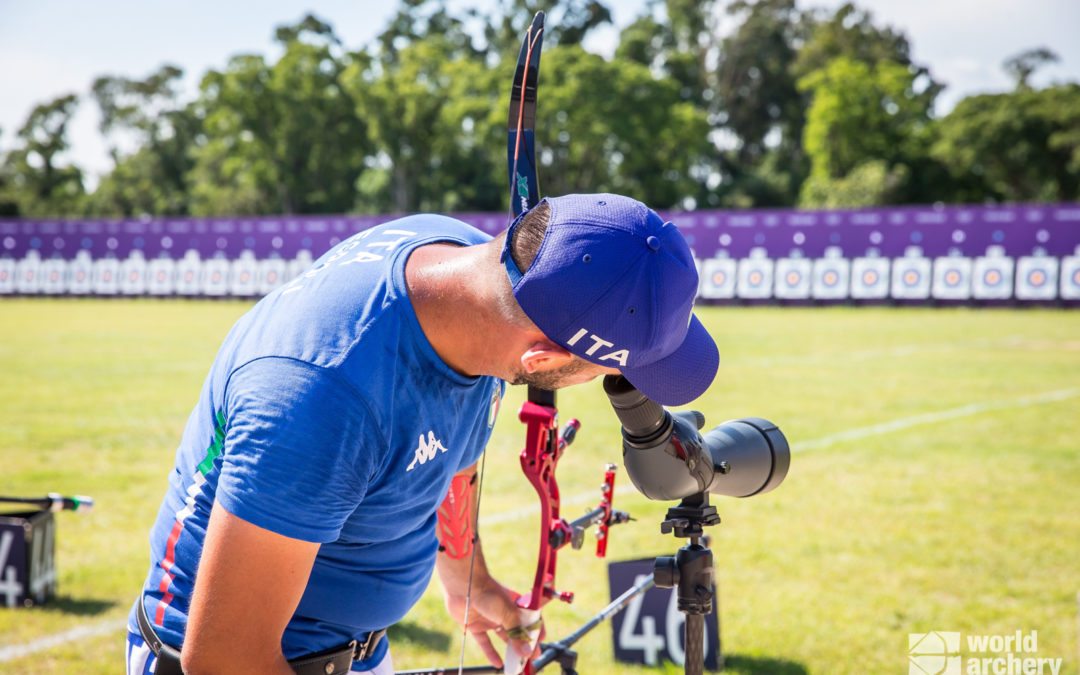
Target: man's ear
{"x": 544, "y": 356}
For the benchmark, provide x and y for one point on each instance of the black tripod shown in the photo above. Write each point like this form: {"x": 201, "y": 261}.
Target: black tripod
{"x": 691, "y": 570}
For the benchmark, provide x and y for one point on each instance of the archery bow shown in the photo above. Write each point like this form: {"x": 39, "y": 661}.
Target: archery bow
{"x": 544, "y": 443}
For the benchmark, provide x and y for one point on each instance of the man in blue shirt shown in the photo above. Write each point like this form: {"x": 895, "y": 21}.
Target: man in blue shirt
{"x": 329, "y": 464}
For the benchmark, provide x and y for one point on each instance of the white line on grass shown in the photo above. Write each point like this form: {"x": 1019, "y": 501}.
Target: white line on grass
{"x": 937, "y": 416}
{"x": 11, "y": 652}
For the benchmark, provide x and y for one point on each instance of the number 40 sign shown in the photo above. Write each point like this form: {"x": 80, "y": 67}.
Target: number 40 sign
{"x": 650, "y": 629}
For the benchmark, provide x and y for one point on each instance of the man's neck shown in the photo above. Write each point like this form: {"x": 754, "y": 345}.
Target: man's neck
{"x": 446, "y": 285}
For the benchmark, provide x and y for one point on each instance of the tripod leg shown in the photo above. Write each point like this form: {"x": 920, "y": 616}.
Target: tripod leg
{"x": 694, "y": 640}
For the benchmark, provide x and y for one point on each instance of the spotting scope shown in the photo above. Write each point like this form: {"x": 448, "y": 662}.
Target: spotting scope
{"x": 668, "y": 458}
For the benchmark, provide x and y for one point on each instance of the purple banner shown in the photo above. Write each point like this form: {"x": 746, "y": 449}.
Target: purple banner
{"x": 965, "y": 230}
{"x": 1025, "y": 253}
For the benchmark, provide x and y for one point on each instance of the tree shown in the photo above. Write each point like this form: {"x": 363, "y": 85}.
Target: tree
{"x": 758, "y": 105}
{"x": 756, "y": 89}
{"x": 861, "y": 114}
{"x": 38, "y": 183}
{"x": 1024, "y": 64}
{"x": 615, "y": 126}
{"x": 280, "y": 138}
{"x": 1018, "y": 146}
{"x": 850, "y": 32}
{"x": 154, "y": 177}
{"x": 429, "y": 110}
{"x": 568, "y": 23}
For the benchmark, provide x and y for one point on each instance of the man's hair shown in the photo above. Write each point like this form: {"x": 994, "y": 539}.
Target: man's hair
{"x": 529, "y": 235}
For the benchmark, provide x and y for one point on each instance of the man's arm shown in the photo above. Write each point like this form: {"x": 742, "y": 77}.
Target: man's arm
{"x": 492, "y": 607}
{"x": 247, "y": 588}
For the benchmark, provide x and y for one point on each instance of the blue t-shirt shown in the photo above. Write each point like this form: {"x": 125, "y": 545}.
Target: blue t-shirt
{"x": 328, "y": 417}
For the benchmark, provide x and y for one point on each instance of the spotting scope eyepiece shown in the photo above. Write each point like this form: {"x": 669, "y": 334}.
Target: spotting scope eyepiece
{"x": 668, "y": 458}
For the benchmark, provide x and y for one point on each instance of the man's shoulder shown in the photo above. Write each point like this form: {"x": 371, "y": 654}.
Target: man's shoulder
{"x": 433, "y": 224}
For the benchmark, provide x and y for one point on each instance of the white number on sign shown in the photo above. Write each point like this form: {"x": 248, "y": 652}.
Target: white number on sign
{"x": 42, "y": 569}
{"x": 10, "y": 588}
{"x": 647, "y": 640}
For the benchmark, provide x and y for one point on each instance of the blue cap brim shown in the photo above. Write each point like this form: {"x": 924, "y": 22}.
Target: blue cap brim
{"x": 683, "y": 375}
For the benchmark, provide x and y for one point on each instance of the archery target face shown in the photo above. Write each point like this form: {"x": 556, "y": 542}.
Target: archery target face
{"x": 243, "y": 277}
{"x": 1070, "y": 277}
{"x": 28, "y": 275}
{"x": 7, "y": 276}
{"x": 718, "y": 278}
{"x": 992, "y": 278}
{"x": 215, "y": 275}
{"x": 911, "y": 278}
{"x": 133, "y": 276}
{"x": 830, "y": 278}
{"x": 1036, "y": 278}
{"x": 793, "y": 278}
{"x": 187, "y": 275}
{"x": 271, "y": 274}
{"x": 53, "y": 274}
{"x": 104, "y": 279}
{"x": 870, "y": 278}
{"x": 755, "y": 278}
{"x": 80, "y": 270}
{"x": 161, "y": 272}
{"x": 952, "y": 278}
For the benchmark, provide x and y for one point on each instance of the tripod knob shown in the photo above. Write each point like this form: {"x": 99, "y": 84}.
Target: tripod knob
{"x": 666, "y": 572}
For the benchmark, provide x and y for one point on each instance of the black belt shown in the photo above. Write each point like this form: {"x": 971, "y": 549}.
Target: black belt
{"x": 326, "y": 662}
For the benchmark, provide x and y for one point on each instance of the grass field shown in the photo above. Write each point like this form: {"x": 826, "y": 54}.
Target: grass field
{"x": 935, "y": 483}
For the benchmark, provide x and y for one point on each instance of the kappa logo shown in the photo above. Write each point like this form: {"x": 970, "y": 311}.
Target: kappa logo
{"x": 618, "y": 355}
{"x": 426, "y": 450}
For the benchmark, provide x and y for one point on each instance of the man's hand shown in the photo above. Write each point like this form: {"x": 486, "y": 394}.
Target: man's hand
{"x": 494, "y": 609}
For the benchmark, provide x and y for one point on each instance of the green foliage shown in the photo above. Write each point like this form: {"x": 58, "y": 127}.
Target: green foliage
{"x": 154, "y": 178}
{"x": 1019, "y": 146}
{"x": 428, "y": 108}
{"x": 282, "y": 137}
{"x": 592, "y": 145}
{"x": 35, "y": 182}
{"x": 862, "y": 116}
{"x": 850, "y": 32}
{"x": 756, "y": 86}
{"x": 868, "y": 184}
{"x": 786, "y": 107}
{"x": 1024, "y": 64}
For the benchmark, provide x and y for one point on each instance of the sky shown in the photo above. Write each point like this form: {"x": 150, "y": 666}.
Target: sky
{"x": 49, "y": 48}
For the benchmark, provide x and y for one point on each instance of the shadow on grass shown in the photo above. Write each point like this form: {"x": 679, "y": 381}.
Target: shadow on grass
{"x": 762, "y": 665}
{"x": 418, "y": 635}
{"x": 77, "y": 606}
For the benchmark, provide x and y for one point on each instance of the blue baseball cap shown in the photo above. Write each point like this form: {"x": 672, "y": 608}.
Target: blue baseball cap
{"x": 615, "y": 284}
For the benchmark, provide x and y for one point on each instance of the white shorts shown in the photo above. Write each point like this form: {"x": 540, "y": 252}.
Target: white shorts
{"x": 140, "y": 661}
